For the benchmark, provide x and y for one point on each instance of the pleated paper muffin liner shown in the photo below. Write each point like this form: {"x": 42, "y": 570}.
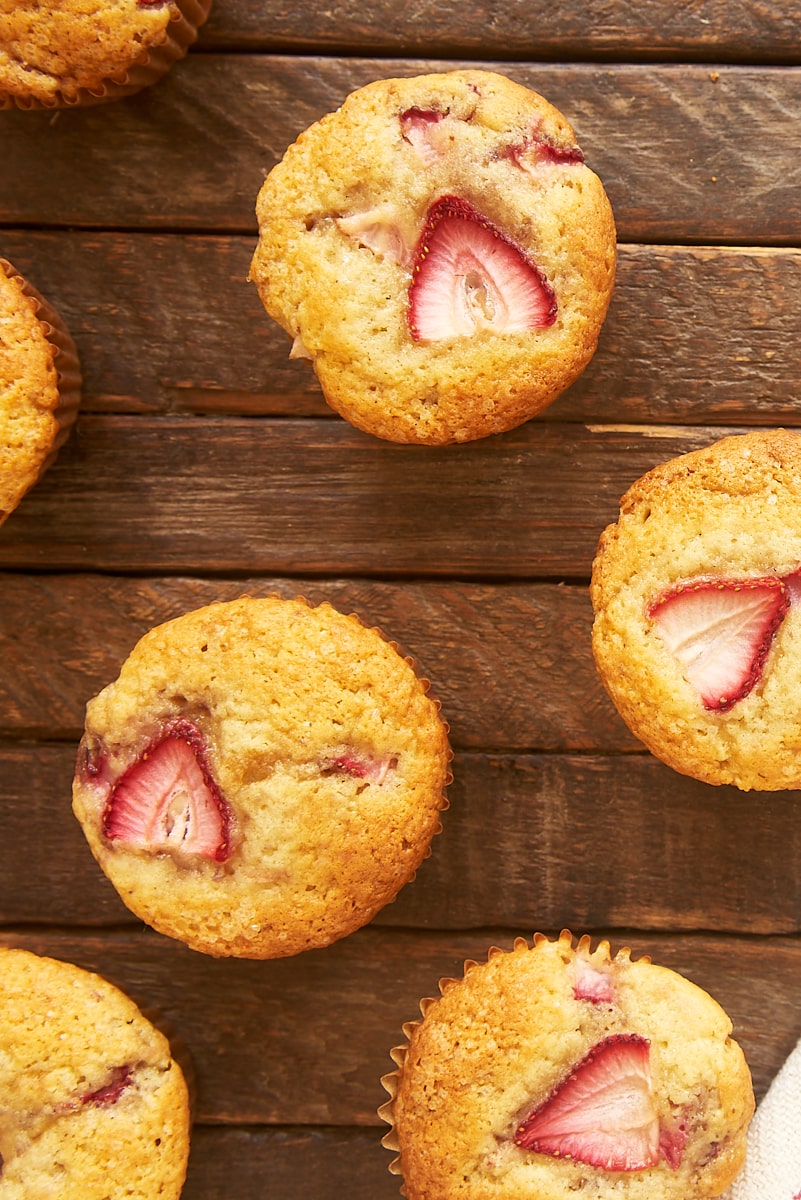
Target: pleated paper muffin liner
{"x": 152, "y": 63}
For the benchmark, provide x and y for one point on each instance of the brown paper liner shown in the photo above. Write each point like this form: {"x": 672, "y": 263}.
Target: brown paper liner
{"x": 65, "y": 359}
{"x": 391, "y": 1081}
{"x": 153, "y": 63}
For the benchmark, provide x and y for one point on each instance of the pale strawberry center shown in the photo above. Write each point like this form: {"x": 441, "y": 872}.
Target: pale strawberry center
{"x": 419, "y": 128}
{"x": 469, "y": 278}
{"x": 592, "y": 984}
{"x": 373, "y": 769}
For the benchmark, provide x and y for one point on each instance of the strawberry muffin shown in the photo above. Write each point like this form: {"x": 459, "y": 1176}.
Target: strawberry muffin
{"x": 92, "y": 1104}
{"x": 555, "y": 1070}
{"x": 39, "y": 386}
{"x": 73, "y": 52}
{"x": 441, "y": 252}
{"x": 697, "y": 632}
{"x": 262, "y": 777}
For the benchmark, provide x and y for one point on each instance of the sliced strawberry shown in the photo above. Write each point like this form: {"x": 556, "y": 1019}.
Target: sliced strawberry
{"x": 91, "y": 764}
{"x": 603, "y": 1113}
{"x": 721, "y": 630}
{"x": 672, "y": 1140}
{"x": 793, "y": 584}
{"x": 374, "y": 770}
{"x": 591, "y": 984}
{"x": 110, "y": 1092}
{"x": 380, "y": 229}
{"x": 469, "y": 276}
{"x": 418, "y": 128}
{"x": 168, "y": 800}
{"x": 536, "y": 153}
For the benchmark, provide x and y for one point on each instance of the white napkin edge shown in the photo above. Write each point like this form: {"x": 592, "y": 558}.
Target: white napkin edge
{"x": 772, "y": 1168}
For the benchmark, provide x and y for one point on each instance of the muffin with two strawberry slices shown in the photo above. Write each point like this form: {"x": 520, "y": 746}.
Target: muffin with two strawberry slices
{"x": 555, "y": 1070}
{"x": 78, "y": 52}
{"x": 262, "y": 777}
{"x": 441, "y": 252}
{"x": 696, "y": 590}
{"x": 93, "y": 1106}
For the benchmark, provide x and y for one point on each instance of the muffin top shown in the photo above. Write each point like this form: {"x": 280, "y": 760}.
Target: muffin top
{"x": 697, "y": 634}
{"x": 554, "y": 1070}
{"x": 50, "y": 54}
{"x": 262, "y": 777}
{"x": 88, "y": 1088}
{"x": 440, "y": 250}
{"x": 29, "y": 392}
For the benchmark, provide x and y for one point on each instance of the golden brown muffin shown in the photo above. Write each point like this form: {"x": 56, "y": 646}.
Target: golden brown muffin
{"x": 441, "y": 252}
{"x": 73, "y": 52}
{"x": 555, "y": 1070}
{"x": 262, "y": 777}
{"x": 39, "y": 386}
{"x": 92, "y": 1104}
{"x": 697, "y": 632}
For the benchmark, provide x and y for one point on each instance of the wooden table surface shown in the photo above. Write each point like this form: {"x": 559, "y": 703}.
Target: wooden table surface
{"x": 205, "y": 463}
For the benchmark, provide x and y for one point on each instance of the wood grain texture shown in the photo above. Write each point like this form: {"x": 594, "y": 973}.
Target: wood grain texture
{"x": 586, "y": 841}
{"x": 275, "y": 1042}
{"x": 206, "y": 464}
{"x": 510, "y": 664}
{"x": 168, "y": 323}
{"x": 319, "y": 497}
{"x": 326, "y": 1163}
{"x": 713, "y": 30}
{"x": 687, "y": 154}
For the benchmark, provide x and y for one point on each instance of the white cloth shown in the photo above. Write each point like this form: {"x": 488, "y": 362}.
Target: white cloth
{"x": 773, "y": 1158}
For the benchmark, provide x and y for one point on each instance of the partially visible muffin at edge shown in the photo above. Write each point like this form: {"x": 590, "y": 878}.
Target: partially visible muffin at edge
{"x": 79, "y": 52}
{"x": 555, "y": 1070}
{"x": 262, "y": 777}
{"x": 697, "y": 631}
{"x": 441, "y": 252}
{"x": 93, "y": 1104}
{"x": 39, "y": 386}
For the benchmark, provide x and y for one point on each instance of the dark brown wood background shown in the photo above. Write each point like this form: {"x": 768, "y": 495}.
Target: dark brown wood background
{"x": 205, "y": 463}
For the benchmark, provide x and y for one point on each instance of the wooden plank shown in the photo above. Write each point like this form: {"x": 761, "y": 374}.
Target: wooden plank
{"x": 585, "y": 840}
{"x": 318, "y": 497}
{"x": 305, "y": 1040}
{"x": 182, "y": 155}
{"x": 715, "y": 31}
{"x": 325, "y": 1164}
{"x": 708, "y": 334}
{"x": 511, "y": 664}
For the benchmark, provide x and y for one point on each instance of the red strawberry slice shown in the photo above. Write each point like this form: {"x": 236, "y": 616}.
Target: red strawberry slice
{"x": 721, "y": 630}
{"x": 374, "y": 770}
{"x": 603, "y": 1113}
{"x": 119, "y": 1079}
{"x": 418, "y": 127}
{"x": 591, "y": 984}
{"x": 469, "y": 276}
{"x": 168, "y": 800}
{"x": 536, "y": 153}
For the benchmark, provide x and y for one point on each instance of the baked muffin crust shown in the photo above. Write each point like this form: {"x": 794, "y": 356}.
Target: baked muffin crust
{"x": 502, "y": 1041}
{"x": 727, "y": 515}
{"x": 318, "y": 756}
{"x": 351, "y": 219}
{"x": 92, "y": 1104}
